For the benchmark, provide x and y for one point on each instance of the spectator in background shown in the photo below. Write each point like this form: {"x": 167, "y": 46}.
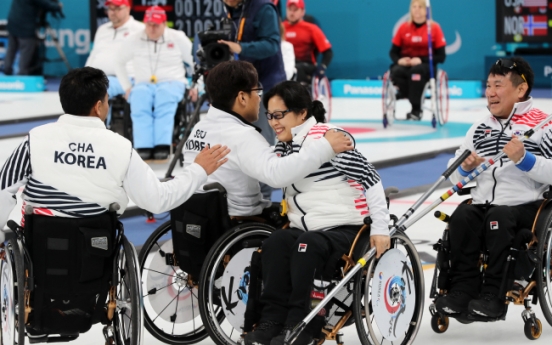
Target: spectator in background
{"x": 23, "y": 21}
{"x": 410, "y": 55}
{"x": 257, "y": 40}
{"x": 307, "y": 39}
{"x": 158, "y": 54}
{"x": 287, "y": 54}
{"x": 107, "y": 40}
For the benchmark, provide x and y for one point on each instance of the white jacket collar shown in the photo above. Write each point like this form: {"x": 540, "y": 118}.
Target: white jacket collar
{"x": 300, "y": 132}
{"x": 125, "y": 26}
{"x": 81, "y": 121}
{"x": 217, "y": 113}
{"x": 519, "y": 108}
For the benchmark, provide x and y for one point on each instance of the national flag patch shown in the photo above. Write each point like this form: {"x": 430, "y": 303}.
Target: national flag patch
{"x": 170, "y": 45}
{"x": 416, "y": 77}
{"x": 302, "y": 247}
{"x": 494, "y": 225}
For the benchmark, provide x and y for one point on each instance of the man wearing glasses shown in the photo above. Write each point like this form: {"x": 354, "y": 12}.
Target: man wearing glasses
{"x": 507, "y": 195}
{"x": 108, "y": 39}
{"x": 235, "y": 96}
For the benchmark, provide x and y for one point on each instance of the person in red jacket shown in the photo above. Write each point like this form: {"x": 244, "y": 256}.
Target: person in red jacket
{"x": 307, "y": 39}
{"x": 410, "y": 55}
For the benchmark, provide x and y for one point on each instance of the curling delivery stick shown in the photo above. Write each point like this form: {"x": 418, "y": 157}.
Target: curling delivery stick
{"x": 291, "y": 336}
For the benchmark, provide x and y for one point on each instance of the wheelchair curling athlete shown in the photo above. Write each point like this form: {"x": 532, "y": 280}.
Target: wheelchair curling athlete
{"x": 75, "y": 167}
{"x": 507, "y": 195}
{"x": 410, "y": 55}
{"x": 235, "y": 96}
{"x": 326, "y": 210}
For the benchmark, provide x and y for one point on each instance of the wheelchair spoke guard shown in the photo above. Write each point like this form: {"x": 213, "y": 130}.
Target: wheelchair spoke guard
{"x": 394, "y": 295}
{"x": 235, "y": 287}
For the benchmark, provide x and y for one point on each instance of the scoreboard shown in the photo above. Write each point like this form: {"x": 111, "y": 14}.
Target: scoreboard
{"x": 190, "y": 16}
{"x": 524, "y": 21}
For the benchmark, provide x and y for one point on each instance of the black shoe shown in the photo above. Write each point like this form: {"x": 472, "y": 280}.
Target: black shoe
{"x": 263, "y": 333}
{"x": 161, "y": 152}
{"x": 455, "y": 302}
{"x": 145, "y": 154}
{"x": 414, "y": 115}
{"x": 304, "y": 338}
{"x": 488, "y": 305}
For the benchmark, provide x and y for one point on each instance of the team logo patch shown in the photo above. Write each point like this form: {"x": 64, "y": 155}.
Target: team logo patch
{"x": 487, "y": 133}
{"x": 302, "y": 247}
{"x": 194, "y": 230}
{"x": 170, "y": 45}
{"x": 99, "y": 242}
{"x": 416, "y": 77}
{"x": 494, "y": 225}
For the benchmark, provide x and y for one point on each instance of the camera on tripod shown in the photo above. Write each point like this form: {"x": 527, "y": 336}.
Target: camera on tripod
{"x": 211, "y": 52}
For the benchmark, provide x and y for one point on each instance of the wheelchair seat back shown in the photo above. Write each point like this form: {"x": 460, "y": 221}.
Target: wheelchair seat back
{"x": 72, "y": 264}
{"x": 196, "y": 225}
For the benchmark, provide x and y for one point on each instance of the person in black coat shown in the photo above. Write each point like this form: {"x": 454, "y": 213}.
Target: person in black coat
{"x": 23, "y": 21}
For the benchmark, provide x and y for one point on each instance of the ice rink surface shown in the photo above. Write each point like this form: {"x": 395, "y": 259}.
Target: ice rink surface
{"x": 362, "y": 117}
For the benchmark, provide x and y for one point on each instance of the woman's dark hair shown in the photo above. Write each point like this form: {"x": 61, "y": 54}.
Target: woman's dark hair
{"x": 296, "y": 98}
{"x": 227, "y": 79}
{"x": 521, "y": 72}
{"x": 81, "y": 89}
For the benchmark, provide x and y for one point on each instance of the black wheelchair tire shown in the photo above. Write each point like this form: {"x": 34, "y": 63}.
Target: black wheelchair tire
{"x": 13, "y": 250}
{"x": 359, "y": 310}
{"x": 159, "y": 334}
{"x": 544, "y": 283}
{"x": 128, "y": 290}
{"x": 212, "y": 318}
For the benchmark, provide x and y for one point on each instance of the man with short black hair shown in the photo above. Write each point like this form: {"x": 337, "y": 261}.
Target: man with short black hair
{"x": 235, "y": 95}
{"x": 75, "y": 167}
{"x": 508, "y": 194}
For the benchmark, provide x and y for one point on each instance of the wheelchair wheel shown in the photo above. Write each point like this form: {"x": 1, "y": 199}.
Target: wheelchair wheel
{"x": 170, "y": 298}
{"x": 221, "y": 309}
{"x": 544, "y": 270}
{"x": 388, "y": 100}
{"x": 13, "y": 308}
{"x": 321, "y": 91}
{"x": 367, "y": 282}
{"x": 442, "y": 97}
{"x": 128, "y": 321}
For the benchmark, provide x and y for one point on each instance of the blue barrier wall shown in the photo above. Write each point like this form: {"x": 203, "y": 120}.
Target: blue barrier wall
{"x": 360, "y": 32}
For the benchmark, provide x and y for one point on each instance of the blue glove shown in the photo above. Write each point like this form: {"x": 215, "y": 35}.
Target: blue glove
{"x": 320, "y": 71}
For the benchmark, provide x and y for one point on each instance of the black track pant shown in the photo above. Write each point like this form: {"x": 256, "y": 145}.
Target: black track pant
{"x": 291, "y": 259}
{"x": 411, "y": 82}
{"x": 477, "y": 227}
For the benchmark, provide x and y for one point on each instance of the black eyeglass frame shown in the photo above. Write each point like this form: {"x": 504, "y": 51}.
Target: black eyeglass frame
{"x": 271, "y": 116}
{"x": 511, "y": 65}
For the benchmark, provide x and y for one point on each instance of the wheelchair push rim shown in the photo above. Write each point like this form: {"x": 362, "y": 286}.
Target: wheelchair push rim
{"x": 388, "y": 101}
{"x": 219, "y": 328}
{"x": 367, "y": 327}
{"x": 321, "y": 91}
{"x": 13, "y": 331}
{"x": 442, "y": 98}
{"x": 168, "y": 281}
{"x": 128, "y": 319}
{"x": 544, "y": 271}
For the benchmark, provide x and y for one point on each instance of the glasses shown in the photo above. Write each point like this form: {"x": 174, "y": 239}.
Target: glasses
{"x": 259, "y": 90}
{"x": 277, "y": 115}
{"x": 509, "y": 64}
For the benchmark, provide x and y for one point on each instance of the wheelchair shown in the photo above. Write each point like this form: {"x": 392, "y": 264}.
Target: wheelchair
{"x": 319, "y": 88}
{"x": 527, "y": 276}
{"x": 172, "y": 258}
{"x": 230, "y": 286}
{"x": 62, "y": 275}
{"x": 434, "y": 104}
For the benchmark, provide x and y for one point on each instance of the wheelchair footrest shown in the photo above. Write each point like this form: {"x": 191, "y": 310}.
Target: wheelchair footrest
{"x": 49, "y": 339}
{"x": 469, "y": 318}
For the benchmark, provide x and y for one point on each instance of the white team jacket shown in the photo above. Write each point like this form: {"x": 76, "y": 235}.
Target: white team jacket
{"x": 340, "y": 192}
{"x": 107, "y": 42}
{"x": 163, "y": 58}
{"x": 75, "y": 167}
{"x": 507, "y": 183}
{"x": 251, "y": 160}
